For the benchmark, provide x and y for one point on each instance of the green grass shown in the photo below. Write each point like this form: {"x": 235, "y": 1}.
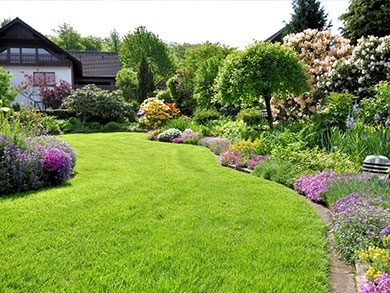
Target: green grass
{"x": 159, "y": 217}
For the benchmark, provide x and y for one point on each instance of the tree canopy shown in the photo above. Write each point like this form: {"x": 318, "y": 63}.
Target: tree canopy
{"x": 144, "y": 43}
{"x": 262, "y": 70}
{"x": 67, "y": 38}
{"x": 308, "y": 14}
{"x": 365, "y": 18}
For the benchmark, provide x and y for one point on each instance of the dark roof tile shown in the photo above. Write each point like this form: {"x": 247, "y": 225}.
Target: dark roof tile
{"x": 98, "y": 64}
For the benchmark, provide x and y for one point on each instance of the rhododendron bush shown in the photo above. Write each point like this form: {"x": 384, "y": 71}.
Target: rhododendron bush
{"x": 357, "y": 74}
{"x": 155, "y": 113}
{"x": 318, "y": 50}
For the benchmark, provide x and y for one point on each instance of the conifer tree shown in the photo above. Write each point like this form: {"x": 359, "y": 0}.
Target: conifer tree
{"x": 145, "y": 80}
{"x": 308, "y": 14}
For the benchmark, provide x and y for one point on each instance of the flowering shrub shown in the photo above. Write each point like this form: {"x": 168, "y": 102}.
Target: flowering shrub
{"x": 33, "y": 162}
{"x": 380, "y": 284}
{"x": 154, "y": 133}
{"x": 368, "y": 64}
{"x": 191, "y": 137}
{"x": 239, "y": 159}
{"x": 156, "y": 112}
{"x": 217, "y": 145}
{"x": 314, "y": 187}
{"x": 94, "y": 104}
{"x": 169, "y": 134}
{"x": 359, "y": 220}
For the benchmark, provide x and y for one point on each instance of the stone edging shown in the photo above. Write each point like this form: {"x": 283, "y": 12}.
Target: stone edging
{"x": 342, "y": 277}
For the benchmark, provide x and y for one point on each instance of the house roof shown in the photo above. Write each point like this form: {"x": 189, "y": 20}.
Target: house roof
{"x": 98, "y": 64}
{"x": 276, "y": 37}
{"x": 49, "y": 43}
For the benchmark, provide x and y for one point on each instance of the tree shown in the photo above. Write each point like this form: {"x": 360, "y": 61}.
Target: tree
{"x": 92, "y": 43}
{"x": 145, "y": 80}
{"x": 308, "y": 14}
{"x": 4, "y": 22}
{"x": 261, "y": 71}
{"x": 366, "y": 18}
{"x": 7, "y": 92}
{"x": 144, "y": 43}
{"x": 68, "y": 38}
{"x": 126, "y": 80}
{"x": 113, "y": 42}
{"x": 178, "y": 50}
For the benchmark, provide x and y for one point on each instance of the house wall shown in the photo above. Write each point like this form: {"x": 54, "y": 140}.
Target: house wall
{"x": 64, "y": 73}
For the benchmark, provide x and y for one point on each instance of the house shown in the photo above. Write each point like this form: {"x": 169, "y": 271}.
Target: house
{"x": 22, "y": 48}
{"x": 276, "y": 37}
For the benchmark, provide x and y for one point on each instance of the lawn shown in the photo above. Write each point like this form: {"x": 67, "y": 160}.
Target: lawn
{"x": 158, "y": 217}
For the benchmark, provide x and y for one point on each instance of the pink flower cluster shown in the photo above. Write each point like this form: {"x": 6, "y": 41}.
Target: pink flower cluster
{"x": 241, "y": 160}
{"x": 381, "y": 284}
{"x": 313, "y": 187}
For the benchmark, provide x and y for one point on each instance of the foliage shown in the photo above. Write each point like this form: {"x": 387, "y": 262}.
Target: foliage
{"x": 181, "y": 123}
{"x": 357, "y": 74}
{"x": 366, "y": 18}
{"x": 260, "y": 71}
{"x": 191, "y": 137}
{"x": 157, "y": 113}
{"x": 308, "y": 14}
{"x": 126, "y": 80}
{"x": 91, "y": 43}
{"x": 241, "y": 160}
{"x": 94, "y": 104}
{"x": 142, "y": 42}
{"x": 276, "y": 170}
{"x": 113, "y": 42}
{"x": 337, "y": 108}
{"x": 204, "y": 82}
{"x": 5, "y": 21}
{"x": 178, "y": 50}
{"x": 7, "y": 92}
{"x": 67, "y": 38}
{"x": 232, "y": 130}
{"x": 349, "y": 183}
{"x": 112, "y": 126}
{"x": 164, "y": 95}
{"x": 181, "y": 90}
{"x": 202, "y": 116}
{"x": 145, "y": 80}
{"x": 154, "y": 133}
{"x": 169, "y": 134}
{"x": 252, "y": 117}
{"x": 376, "y": 110}
{"x": 358, "y": 221}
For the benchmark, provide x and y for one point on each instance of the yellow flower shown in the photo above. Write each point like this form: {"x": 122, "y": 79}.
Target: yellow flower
{"x": 326, "y": 111}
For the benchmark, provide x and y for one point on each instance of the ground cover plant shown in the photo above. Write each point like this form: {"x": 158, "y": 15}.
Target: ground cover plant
{"x": 145, "y": 216}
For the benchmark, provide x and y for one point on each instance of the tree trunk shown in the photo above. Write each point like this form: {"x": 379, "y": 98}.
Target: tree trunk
{"x": 267, "y": 99}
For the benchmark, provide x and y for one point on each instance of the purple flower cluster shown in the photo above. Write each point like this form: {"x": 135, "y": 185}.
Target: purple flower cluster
{"x": 140, "y": 113}
{"x": 177, "y": 140}
{"x": 28, "y": 162}
{"x": 217, "y": 145}
{"x": 313, "y": 187}
{"x": 359, "y": 220}
{"x": 380, "y": 284}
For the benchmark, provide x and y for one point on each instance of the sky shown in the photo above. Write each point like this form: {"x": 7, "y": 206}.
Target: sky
{"x": 234, "y": 23}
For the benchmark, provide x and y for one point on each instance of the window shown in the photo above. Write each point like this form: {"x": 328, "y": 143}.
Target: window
{"x": 44, "y": 55}
{"x": 44, "y": 77}
{"x": 28, "y": 55}
{"x": 15, "y": 55}
{"x": 3, "y": 54}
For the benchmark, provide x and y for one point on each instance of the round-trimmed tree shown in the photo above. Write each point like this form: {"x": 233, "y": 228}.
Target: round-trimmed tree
{"x": 259, "y": 72}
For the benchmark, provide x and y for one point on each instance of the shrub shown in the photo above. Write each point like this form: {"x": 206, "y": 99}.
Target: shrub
{"x": 232, "y": 130}
{"x": 181, "y": 88}
{"x": 154, "y": 133}
{"x": 276, "y": 170}
{"x": 34, "y": 122}
{"x": 376, "y": 110}
{"x": 29, "y": 163}
{"x": 112, "y": 126}
{"x": 94, "y": 104}
{"x": 156, "y": 112}
{"x": 169, "y": 134}
{"x": 202, "y": 116}
{"x": 238, "y": 159}
{"x": 180, "y": 123}
{"x": 164, "y": 95}
{"x": 7, "y": 92}
{"x": 252, "y": 117}
{"x": 218, "y": 145}
{"x": 94, "y": 125}
{"x": 192, "y": 137}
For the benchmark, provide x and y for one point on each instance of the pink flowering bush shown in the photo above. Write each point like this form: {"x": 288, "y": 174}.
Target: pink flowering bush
{"x": 241, "y": 160}
{"x": 380, "y": 284}
{"x": 314, "y": 186}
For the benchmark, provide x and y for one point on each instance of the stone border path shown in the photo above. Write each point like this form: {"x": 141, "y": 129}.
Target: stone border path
{"x": 341, "y": 274}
